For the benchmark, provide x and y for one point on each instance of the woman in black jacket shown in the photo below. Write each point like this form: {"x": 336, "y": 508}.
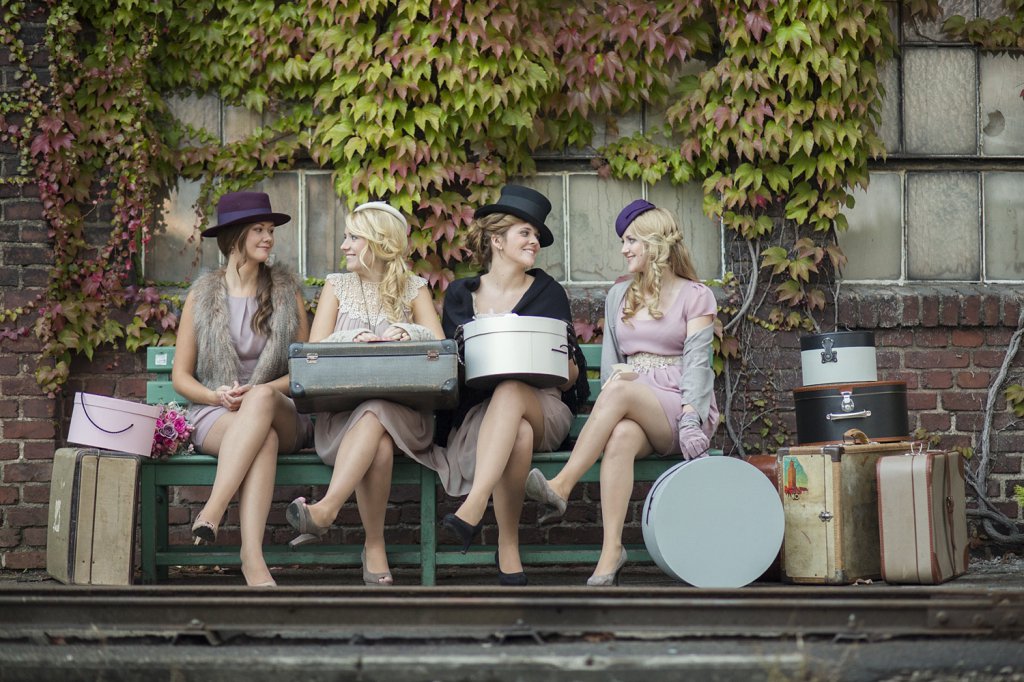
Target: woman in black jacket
{"x": 494, "y": 433}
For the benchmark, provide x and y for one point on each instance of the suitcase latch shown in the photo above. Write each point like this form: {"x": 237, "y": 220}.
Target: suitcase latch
{"x": 311, "y": 358}
{"x": 828, "y": 355}
{"x": 433, "y": 355}
{"x": 825, "y": 516}
{"x": 847, "y": 404}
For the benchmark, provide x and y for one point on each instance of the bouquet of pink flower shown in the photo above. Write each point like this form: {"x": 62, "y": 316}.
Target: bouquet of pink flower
{"x": 173, "y": 432}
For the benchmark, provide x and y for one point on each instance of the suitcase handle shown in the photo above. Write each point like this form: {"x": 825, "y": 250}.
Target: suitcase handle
{"x": 833, "y": 417}
{"x": 86, "y": 413}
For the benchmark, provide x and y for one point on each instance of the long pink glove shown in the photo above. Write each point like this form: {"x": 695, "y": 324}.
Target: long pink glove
{"x": 692, "y": 440}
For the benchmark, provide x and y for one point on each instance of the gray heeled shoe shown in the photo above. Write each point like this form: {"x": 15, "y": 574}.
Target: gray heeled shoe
{"x": 539, "y": 490}
{"x": 383, "y": 579}
{"x": 298, "y": 516}
{"x": 609, "y": 579}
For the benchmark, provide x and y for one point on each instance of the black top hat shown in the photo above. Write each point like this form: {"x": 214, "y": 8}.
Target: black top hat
{"x": 525, "y": 203}
{"x": 242, "y": 208}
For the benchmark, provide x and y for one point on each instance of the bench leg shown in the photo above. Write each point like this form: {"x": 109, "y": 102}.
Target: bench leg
{"x": 428, "y": 527}
{"x": 153, "y": 524}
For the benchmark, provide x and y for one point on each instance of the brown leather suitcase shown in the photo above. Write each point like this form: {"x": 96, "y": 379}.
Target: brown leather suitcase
{"x": 922, "y": 511}
{"x": 830, "y": 501}
{"x": 335, "y": 377}
{"x": 90, "y": 537}
{"x": 769, "y": 466}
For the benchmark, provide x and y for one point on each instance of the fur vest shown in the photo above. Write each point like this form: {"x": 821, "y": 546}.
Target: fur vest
{"x": 217, "y": 361}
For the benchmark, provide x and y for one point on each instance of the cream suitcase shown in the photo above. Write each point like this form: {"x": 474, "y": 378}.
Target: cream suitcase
{"x": 830, "y": 503}
{"x": 922, "y": 511}
{"x": 90, "y": 537}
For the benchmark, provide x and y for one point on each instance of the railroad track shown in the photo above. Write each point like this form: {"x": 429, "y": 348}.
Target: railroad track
{"x": 216, "y": 614}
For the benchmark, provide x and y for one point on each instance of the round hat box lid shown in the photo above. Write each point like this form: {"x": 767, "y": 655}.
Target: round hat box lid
{"x": 713, "y": 522}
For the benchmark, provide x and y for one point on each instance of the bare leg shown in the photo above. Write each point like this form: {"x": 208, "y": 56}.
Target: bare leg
{"x": 372, "y": 494}
{"x": 627, "y": 443}
{"x": 237, "y": 437}
{"x": 508, "y": 499}
{"x": 619, "y": 400}
{"x": 356, "y": 453}
{"x": 256, "y": 494}
{"x": 511, "y": 403}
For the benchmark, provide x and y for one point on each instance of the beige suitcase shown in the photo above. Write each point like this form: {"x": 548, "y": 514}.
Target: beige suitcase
{"x": 830, "y": 502}
{"x": 922, "y": 511}
{"x": 90, "y": 537}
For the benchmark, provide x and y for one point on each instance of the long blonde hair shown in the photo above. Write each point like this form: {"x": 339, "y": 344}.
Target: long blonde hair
{"x": 478, "y": 238}
{"x": 233, "y": 238}
{"x": 386, "y": 240}
{"x": 658, "y": 231}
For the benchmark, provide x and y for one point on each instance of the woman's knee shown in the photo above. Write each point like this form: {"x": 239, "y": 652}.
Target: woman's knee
{"x": 509, "y": 391}
{"x": 260, "y": 397}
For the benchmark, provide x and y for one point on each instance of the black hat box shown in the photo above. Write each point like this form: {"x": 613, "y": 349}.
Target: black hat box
{"x": 826, "y": 411}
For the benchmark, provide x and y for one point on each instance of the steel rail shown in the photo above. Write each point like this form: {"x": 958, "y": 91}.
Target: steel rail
{"x": 218, "y": 613}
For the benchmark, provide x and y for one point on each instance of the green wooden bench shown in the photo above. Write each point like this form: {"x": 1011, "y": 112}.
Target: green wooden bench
{"x": 306, "y": 469}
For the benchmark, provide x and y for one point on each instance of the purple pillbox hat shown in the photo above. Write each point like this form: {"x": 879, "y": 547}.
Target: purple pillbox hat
{"x": 630, "y": 213}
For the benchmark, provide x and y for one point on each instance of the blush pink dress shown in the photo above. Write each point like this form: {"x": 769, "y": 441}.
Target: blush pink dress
{"x": 667, "y": 337}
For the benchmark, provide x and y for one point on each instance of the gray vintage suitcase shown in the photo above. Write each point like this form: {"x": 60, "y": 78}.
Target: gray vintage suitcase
{"x": 335, "y": 377}
{"x": 90, "y": 538}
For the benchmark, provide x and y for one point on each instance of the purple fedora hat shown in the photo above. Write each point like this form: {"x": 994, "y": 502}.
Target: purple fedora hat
{"x": 242, "y": 208}
{"x": 524, "y": 203}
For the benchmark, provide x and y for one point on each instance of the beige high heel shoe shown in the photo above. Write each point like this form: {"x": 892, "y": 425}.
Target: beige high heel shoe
{"x": 609, "y": 579}
{"x": 375, "y": 579}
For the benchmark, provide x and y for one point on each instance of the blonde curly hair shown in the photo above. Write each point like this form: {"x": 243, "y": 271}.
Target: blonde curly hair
{"x": 387, "y": 241}
{"x": 659, "y": 232}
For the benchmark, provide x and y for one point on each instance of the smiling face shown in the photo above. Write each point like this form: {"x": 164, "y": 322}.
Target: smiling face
{"x": 259, "y": 242}
{"x": 358, "y": 256}
{"x": 519, "y": 243}
{"x": 634, "y": 251}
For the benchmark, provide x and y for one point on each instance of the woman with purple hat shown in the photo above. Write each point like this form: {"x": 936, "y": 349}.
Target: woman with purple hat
{"x": 659, "y": 386}
{"x": 377, "y": 299}
{"x": 231, "y": 364}
{"x": 491, "y": 436}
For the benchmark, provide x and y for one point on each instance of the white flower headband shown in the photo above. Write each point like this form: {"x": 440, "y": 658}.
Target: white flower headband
{"x": 383, "y": 206}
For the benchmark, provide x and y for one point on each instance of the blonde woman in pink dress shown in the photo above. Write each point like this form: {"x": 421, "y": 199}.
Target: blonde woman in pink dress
{"x": 660, "y": 323}
{"x": 377, "y": 300}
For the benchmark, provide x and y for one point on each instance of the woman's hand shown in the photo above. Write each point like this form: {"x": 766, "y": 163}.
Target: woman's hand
{"x": 230, "y": 397}
{"x": 367, "y": 337}
{"x": 692, "y": 440}
{"x": 394, "y": 333}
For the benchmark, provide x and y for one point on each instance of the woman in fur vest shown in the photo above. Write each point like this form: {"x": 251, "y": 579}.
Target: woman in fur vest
{"x": 231, "y": 364}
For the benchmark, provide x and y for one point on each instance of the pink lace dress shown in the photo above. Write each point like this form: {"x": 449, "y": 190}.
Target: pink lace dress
{"x": 360, "y": 307}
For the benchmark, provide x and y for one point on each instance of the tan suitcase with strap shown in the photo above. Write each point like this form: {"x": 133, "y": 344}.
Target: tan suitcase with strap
{"x": 922, "y": 511}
